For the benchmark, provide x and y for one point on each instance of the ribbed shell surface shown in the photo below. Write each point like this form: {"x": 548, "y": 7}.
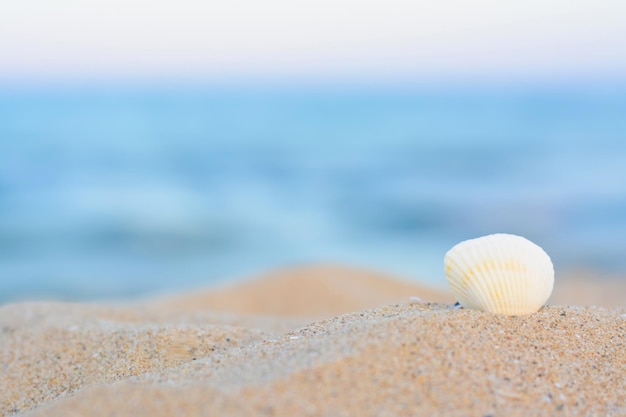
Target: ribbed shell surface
{"x": 500, "y": 273}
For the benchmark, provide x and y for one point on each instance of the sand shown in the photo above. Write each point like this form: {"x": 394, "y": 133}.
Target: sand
{"x": 320, "y": 291}
{"x": 344, "y": 342}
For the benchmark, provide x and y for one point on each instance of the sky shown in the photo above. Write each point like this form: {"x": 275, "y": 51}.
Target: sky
{"x": 443, "y": 39}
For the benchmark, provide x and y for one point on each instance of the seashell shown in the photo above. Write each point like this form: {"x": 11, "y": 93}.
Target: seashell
{"x": 500, "y": 273}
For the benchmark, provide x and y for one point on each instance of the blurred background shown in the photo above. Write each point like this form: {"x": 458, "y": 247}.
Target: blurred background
{"x": 151, "y": 146}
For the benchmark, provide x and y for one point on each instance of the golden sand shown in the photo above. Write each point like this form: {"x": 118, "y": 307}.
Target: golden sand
{"x": 376, "y": 354}
{"x": 306, "y": 291}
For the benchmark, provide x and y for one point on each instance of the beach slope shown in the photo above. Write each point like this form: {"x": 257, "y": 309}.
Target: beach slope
{"x": 168, "y": 357}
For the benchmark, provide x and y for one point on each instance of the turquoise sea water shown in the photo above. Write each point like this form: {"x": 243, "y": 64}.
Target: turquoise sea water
{"x": 115, "y": 192}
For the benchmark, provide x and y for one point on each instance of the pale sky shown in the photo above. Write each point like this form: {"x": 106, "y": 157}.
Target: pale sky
{"x": 313, "y": 39}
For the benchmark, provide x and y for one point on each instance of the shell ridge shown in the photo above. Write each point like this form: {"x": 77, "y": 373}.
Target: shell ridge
{"x": 496, "y": 294}
{"x": 455, "y": 270}
{"x": 479, "y": 292}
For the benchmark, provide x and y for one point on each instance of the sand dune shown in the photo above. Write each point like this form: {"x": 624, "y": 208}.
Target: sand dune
{"x": 306, "y": 291}
{"x": 589, "y": 288}
{"x": 310, "y": 341}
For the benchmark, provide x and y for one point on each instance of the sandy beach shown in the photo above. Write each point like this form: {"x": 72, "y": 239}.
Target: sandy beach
{"x": 323, "y": 340}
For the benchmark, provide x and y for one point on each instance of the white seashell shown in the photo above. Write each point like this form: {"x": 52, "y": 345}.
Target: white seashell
{"x": 500, "y": 273}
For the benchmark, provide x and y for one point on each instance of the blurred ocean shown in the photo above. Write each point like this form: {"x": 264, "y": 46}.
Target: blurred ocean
{"x": 116, "y": 192}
